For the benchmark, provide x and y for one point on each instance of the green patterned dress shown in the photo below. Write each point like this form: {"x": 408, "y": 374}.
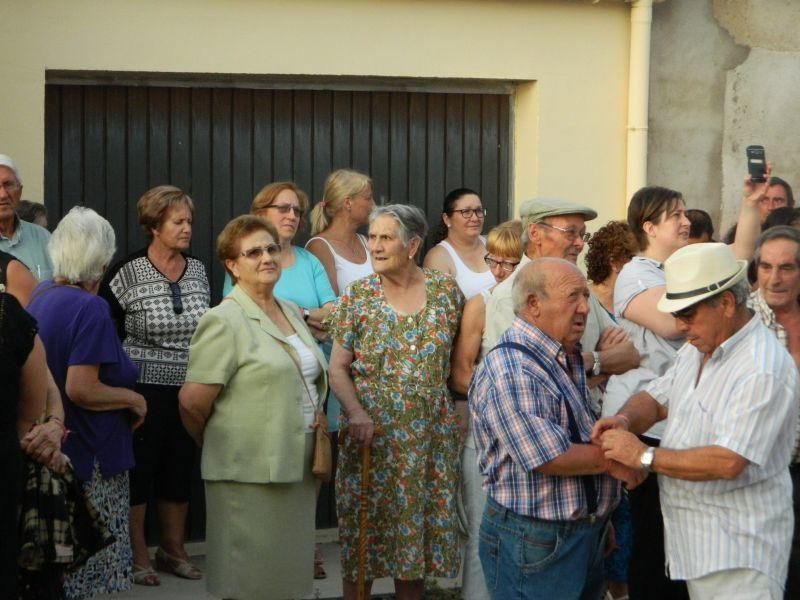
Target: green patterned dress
{"x": 400, "y": 368}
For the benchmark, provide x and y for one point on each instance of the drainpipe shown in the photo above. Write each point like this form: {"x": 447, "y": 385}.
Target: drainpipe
{"x": 638, "y": 95}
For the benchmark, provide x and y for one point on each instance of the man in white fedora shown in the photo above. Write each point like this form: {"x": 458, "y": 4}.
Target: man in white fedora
{"x": 732, "y": 401}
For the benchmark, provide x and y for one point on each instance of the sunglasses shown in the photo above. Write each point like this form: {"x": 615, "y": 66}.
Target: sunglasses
{"x": 257, "y": 252}
{"x": 177, "y": 301}
{"x": 687, "y": 314}
{"x": 285, "y": 208}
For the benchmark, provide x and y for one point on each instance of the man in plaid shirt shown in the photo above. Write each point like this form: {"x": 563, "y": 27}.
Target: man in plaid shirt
{"x": 551, "y": 492}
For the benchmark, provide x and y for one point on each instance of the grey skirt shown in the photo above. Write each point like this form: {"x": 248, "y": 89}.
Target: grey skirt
{"x": 260, "y": 537}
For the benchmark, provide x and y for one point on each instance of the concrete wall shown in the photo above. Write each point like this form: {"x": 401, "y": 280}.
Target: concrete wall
{"x": 569, "y": 59}
{"x": 725, "y": 75}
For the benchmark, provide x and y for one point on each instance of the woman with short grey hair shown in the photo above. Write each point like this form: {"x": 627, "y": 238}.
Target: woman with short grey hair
{"x": 96, "y": 380}
{"x": 393, "y": 333}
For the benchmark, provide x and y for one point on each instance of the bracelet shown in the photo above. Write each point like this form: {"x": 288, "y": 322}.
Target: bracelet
{"x": 64, "y": 431}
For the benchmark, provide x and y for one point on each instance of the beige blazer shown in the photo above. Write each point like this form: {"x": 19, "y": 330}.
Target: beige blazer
{"x": 255, "y": 433}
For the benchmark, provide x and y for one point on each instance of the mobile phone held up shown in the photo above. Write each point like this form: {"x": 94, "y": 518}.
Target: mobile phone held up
{"x": 756, "y": 163}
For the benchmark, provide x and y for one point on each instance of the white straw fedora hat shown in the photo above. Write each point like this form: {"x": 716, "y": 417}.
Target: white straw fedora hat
{"x": 698, "y": 271}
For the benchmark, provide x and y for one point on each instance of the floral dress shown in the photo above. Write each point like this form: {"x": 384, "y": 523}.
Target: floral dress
{"x": 400, "y": 368}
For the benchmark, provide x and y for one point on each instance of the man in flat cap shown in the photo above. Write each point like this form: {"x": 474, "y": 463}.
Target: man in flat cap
{"x": 25, "y": 241}
{"x": 732, "y": 400}
{"x": 556, "y": 228}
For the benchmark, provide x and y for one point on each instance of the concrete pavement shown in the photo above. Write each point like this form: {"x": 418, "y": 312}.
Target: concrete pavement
{"x": 175, "y": 588}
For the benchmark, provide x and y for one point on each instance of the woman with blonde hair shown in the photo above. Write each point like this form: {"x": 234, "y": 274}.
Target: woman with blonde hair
{"x": 346, "y": 205}
{"x": 504, "y": 251}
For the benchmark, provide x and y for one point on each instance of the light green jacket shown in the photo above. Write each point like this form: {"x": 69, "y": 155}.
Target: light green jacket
{"x": 255, "y": 433}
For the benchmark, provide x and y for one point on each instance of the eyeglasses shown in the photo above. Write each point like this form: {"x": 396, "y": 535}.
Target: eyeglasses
{"x": 10, "y": 187}
{"x": 570, "y": 234}
{"x": 468, "y": 212}
{"x": 177, "y": 302}
{"x": 257, "y": 252}
{"x": 506, "y": 265}
{"x": 285, "y": 208}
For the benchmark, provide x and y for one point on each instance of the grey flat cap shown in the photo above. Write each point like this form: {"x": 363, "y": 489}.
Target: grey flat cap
{"x": 537, "y": 209}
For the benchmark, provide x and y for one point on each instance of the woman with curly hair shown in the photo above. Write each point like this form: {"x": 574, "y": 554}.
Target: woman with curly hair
{"x": 610, "y": 248}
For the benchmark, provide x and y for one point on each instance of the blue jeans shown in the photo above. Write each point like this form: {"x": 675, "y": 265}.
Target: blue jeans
{"x": 532, "y": 559}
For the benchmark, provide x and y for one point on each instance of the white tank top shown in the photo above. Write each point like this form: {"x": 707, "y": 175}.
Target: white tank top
{"x": 469, "y": 281}
{"x": 311, "y": 370}
{"x": 347, "y": 272}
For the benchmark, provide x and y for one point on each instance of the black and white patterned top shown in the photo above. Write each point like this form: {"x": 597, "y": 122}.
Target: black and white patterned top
{"x": 153, "y": 330}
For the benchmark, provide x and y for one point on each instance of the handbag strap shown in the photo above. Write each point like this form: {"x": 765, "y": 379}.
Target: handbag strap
{"x": 318, "y": 405}
{"x": 574, "y": 433}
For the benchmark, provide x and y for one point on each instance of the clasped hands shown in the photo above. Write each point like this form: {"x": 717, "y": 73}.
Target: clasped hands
{"x": 43, "y": 444}
{"x": 621, "y": 448}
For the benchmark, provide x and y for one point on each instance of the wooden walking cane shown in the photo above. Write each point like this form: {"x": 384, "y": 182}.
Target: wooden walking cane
{"x": 363, "y": 501}
{"x": 362, "y": 523}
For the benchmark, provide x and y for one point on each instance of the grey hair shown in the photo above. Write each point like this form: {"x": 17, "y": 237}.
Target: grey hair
{"x": 740, "y": 291}
{"x": 81, "y": 246}
{"x": 779, "y": 232}
{"x": 531, "y": 280}
{"x": 411, "y": 220}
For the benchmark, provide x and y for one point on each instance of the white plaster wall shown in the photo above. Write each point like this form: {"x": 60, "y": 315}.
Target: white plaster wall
{"x": 691, "y": 55}
{"x": 569, "y": 57}
{"x": 725, "y": 74}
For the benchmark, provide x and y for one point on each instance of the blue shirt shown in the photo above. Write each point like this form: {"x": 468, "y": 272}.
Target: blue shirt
{"x": 305, "y": 283}
{"x": 520, "y": 423}
{"x": 76, "y": 329}
{"x": 29, "y": 245}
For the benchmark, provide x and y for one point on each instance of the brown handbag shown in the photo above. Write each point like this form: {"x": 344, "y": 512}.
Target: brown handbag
{"x": 322, "y": 460}
{"x": 322, "y": 456}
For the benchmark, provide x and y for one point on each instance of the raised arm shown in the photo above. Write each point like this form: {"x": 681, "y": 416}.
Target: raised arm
{"x": 642, "y": 310}
{"x": 748, "y": 227}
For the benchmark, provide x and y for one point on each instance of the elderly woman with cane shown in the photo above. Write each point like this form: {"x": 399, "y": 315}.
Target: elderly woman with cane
{"x": 393, "y": 333}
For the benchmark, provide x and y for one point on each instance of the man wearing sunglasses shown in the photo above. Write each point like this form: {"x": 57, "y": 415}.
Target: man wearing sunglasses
{"x": 556, "y": 228}
{"x": 732, "y": 400}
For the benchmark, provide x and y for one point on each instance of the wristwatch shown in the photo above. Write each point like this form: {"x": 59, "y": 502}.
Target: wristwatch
{"x": 646, "y": 459}
{"x": 596, "y": 366}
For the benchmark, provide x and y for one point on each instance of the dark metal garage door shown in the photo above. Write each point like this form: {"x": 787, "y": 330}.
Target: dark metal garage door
{"x": 106, "y": 144}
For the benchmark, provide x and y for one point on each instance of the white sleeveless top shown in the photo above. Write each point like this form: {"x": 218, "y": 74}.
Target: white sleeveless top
{"x": 311, "y": 370}
{"x": 347, "y": 272}
{"x": 469, "y": 281}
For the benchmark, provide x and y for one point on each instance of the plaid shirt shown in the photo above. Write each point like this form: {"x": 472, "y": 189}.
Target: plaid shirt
{"x": 520, "y": 423}
{"x": 757, "y": 303}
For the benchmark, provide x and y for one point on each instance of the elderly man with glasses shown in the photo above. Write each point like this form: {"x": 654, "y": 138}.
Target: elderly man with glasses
{"x": 23, "y": 240}
{"x": 731, "y": 396}
{"x": 556, "y": 228}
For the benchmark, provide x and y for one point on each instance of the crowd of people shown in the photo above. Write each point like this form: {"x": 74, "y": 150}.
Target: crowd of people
{"x": 630, "y": 432}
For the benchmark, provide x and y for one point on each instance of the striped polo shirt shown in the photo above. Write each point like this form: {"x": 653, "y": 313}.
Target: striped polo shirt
{"x": 746, "y": 400}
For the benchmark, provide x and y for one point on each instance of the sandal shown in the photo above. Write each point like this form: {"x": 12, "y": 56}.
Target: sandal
{"x": 319, "y": 569}
{"x": 177, "y": 566}
{"x": 145, "y": 576}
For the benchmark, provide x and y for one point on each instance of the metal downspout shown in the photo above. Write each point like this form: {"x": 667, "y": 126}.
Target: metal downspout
{"x": 638, "y": 95}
